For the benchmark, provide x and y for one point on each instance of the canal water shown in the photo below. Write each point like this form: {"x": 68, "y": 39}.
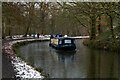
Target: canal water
{"x": 84, "y": 63}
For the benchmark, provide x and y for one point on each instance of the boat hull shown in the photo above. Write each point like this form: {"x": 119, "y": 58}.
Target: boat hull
{"x": 64, "y": 47}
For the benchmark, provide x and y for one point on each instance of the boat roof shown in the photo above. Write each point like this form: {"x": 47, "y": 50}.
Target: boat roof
{"x": 63, "y": 38}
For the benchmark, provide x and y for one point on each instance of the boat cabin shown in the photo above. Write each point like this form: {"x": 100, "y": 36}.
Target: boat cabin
{"x": 62, "y": 43}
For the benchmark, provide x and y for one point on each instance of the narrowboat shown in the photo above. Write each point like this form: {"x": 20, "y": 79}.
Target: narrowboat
{"x": 62, "y": 43}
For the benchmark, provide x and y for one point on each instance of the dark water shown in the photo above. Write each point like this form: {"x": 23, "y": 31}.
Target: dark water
{"x": 84, "y": 63}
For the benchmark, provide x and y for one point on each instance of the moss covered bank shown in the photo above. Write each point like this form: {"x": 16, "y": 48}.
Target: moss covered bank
{"x": 105, "y": 41}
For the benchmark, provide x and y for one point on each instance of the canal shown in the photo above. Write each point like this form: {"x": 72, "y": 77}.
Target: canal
{"x": 84, "y": 63}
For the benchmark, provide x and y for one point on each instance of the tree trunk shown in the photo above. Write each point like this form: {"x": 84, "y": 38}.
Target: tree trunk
{"x": 28, "y": 26}
{"x": 30, "y": 18}
{"x": 99, "y": 27}
{"x": 92, "y": 28}
{"x": 3, "y": 30}
{"x": 111, "y": 27}
{"x": 43, "y": 19}
{"x": 9, "y": 31}
{"x": 27, "y": 30}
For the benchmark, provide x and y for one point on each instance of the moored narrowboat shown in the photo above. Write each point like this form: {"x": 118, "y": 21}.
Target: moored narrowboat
{"x": 62, "y": 43}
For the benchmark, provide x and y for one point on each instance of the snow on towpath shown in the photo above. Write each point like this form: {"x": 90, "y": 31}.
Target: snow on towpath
{"x": 22, "y": 69}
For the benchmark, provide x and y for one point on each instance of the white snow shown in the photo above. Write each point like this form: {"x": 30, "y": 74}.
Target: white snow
{"x": 23, "y": 70}
{"x": 35, "y": 35}
{"x": 65, "y": 35}
{"x": 80, "y": 37}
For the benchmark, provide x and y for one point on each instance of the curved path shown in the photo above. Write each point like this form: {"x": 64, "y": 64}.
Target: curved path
{"x": 14, "y": 67}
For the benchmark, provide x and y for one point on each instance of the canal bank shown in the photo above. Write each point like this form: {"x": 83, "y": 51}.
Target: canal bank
{"x": 103, "y": 45}
{"x": 15, "y": 67}
{"x": 105, "y": 41}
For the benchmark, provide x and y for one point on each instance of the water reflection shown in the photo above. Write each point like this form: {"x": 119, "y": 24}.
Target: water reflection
{"x": 84, "y": 63}
{"x": 64, "y": 56}
{"x": 102, "y": 64}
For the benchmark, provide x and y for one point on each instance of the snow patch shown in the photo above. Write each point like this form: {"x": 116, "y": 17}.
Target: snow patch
{"x": 23, "y": 70}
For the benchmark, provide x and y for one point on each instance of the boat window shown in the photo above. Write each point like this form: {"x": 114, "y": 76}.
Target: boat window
{"x": 67, "y": 41}
{"x": 60, "y": 42}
